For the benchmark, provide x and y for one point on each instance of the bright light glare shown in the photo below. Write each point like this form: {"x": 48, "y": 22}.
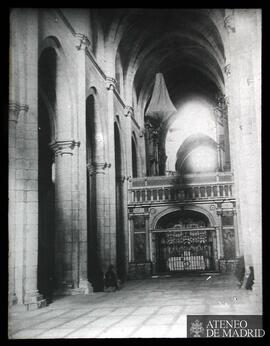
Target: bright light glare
{"x": 195, "y": 116}
{"x": 202, "y": 159}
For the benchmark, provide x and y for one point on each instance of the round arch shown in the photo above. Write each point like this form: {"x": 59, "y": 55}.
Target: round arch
{"x": 190, "y": 144}
{"x": 212, "y": 220}
{"x": 100, "y": 133}
{"x": 122, "y": 145}
{"x": 135, "y": 156}
{"x": 66, "y": 82}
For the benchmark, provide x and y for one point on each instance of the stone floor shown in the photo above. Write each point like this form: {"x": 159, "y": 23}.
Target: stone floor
{"x": 153, "y": 308}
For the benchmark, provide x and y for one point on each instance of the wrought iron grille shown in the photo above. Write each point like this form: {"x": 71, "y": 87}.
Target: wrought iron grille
{"x": 188, "y": 250}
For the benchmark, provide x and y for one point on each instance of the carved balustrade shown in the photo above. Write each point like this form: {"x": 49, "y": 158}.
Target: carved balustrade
{"x": 163, "y": 189}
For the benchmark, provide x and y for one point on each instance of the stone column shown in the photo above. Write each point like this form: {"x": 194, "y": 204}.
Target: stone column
{"x": 219, "y": 112}
{"x": 63, "y": 151}
{"x": 97, "y": 170}
{"x": 128, "y": 112}
{"x": 131, "y": 238}
{"x": 227, "y": 159}
{"x": 219, "y": 230}
{"x": 236, "y": 235}
{"x": 147, "y": 239}
{"x": 243, "y": 25}
{"x": 14, "y": 110}
{"x": 79, "y": 197}
{"x": 30, "y": 156}
{"x": 110, "y": 238}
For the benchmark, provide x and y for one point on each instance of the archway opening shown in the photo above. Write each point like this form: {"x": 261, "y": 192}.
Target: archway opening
{"x": 46, "y": 191}
{"x": 184, "y": 241}
{"x": 197, "y": 154}
{"x": 120, "y": 236}
{"x": 194, "y": 120}
{"x": 134, "y": 160}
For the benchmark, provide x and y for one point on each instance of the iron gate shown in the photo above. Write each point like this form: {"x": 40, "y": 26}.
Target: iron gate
{"x": 188, "y": 250}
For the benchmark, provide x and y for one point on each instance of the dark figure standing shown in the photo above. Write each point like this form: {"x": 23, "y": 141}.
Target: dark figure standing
{"x": 111, "y": 279}
{"x": 97, "y": 281}
{"x": 250, "y": 279}
{"x": 240, "y": 271}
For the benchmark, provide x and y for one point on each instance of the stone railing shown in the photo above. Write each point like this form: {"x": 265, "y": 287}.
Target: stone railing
{"x": 162, "y": 189}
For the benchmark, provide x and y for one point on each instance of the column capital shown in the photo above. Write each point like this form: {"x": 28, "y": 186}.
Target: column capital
{"x": 229, "y": 23}
{"x": 227, "y": 70}
{"x": 142, "y": 132}
{"x": 221, "y": 109}
{"x": 82, "y": 41}
{"x": 222, "y": 101}
{"x": 64, "y": 147}
{"x": 111, "y": 83}
{"x": 15, "y": 109}
{"x": 97, "y": 167}
{"x": 221, "y": 144}
{"x": 129, "y": 111}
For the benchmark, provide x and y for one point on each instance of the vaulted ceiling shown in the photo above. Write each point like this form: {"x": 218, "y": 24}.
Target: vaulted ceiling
{"x": 183, "y": 44}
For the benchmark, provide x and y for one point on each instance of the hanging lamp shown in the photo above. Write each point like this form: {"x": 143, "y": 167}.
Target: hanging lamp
{"x": 160, "y": 106}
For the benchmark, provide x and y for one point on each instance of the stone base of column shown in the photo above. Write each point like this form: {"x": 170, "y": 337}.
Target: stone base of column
{"x": 86, "y": 286}
{"x": 69, "y": 289}
{"x": 71, "y": 292}
{"x": 34, "y": 300}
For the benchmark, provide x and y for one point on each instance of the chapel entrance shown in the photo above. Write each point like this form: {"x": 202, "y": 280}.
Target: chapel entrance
{"x": 187, "y": 244}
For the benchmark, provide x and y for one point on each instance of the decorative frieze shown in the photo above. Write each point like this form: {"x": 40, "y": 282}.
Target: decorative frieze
{"x": 97, "y": 167}
{"x": 64, "y": 147}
